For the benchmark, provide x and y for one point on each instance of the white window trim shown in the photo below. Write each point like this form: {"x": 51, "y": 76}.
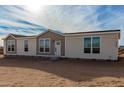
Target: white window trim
{"x": 10, "y": 45}
{"x": 44, "y": 45}
{"x": 97, "y": 47}
{"x": 91, "y": 44}
{"x": 24, "y": 45}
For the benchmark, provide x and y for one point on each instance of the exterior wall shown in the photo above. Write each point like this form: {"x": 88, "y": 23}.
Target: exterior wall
{"x": 53, "y": 37}
{"x": 71, "y": 46}
{"x": 31, "y": 47}
{"x": 108, "y": 47}
{"x": 5, "y": 46}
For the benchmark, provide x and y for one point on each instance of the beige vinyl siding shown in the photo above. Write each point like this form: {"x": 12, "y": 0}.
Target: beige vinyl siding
{"x": 74, "y": 47}
{"x": 4, "y": 48}
{"x": 31, "y": 47}
{"x": 53, "y": 37}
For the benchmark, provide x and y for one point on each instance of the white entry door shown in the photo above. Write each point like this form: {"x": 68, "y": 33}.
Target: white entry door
{"x": 58, "y": 48}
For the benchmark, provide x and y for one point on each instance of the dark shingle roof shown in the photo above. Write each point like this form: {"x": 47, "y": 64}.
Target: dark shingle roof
{"x": 17, "y": 36}
{"x": 93, "y": 32}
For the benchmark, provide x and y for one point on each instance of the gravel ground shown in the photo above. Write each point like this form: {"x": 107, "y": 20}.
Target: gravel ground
{"x": 38, "y": 72}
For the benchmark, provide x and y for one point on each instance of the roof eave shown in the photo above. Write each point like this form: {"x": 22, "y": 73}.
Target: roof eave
{"x": 92, "y": 33}
{"x": 50, "y": 31}
{"x": 8, "y": 36}
{"x": 25, "y": 37}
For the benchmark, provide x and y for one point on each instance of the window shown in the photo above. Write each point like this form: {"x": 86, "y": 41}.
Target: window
{"x": 95, "y": 44}
{"x": 87, "y": 45}
{"x": 26, "y": 45}
{"x": 41, "y": 45}
{"x": 44, "y": 45}
{"x": 10, "y": 45}
{"x": 58, "y": 43}
{"x": 47, "y": 44}
{"x": 92, "y": 44}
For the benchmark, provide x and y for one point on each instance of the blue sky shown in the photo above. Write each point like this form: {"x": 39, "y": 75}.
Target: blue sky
{"x": 31, "y": 20}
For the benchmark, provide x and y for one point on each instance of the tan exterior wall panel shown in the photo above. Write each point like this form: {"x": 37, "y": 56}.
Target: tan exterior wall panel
{"x": 31, "y": 47}
{"x": 108, "y": 47}
{"x": 53, "y": 37}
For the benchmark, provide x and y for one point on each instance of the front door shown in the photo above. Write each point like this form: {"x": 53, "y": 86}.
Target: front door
{"x": 58, "y": 48}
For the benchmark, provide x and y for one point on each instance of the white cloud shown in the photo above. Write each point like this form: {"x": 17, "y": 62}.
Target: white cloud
{"x": 70, "y": 18}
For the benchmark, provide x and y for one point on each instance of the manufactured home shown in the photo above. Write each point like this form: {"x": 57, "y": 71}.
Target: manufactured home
{"x": 86, "y": 45}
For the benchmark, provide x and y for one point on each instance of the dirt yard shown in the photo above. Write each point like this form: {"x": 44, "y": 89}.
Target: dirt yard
{"x": 42, "y": 72}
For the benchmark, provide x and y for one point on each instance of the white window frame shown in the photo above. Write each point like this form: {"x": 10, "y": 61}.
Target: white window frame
{"x": 91, "y": 44}
{"x": 44, "y": 45}
{"x": 24, "y": 45}
{"x": 96, "y": 47}
{"x": 11, "y": 42}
